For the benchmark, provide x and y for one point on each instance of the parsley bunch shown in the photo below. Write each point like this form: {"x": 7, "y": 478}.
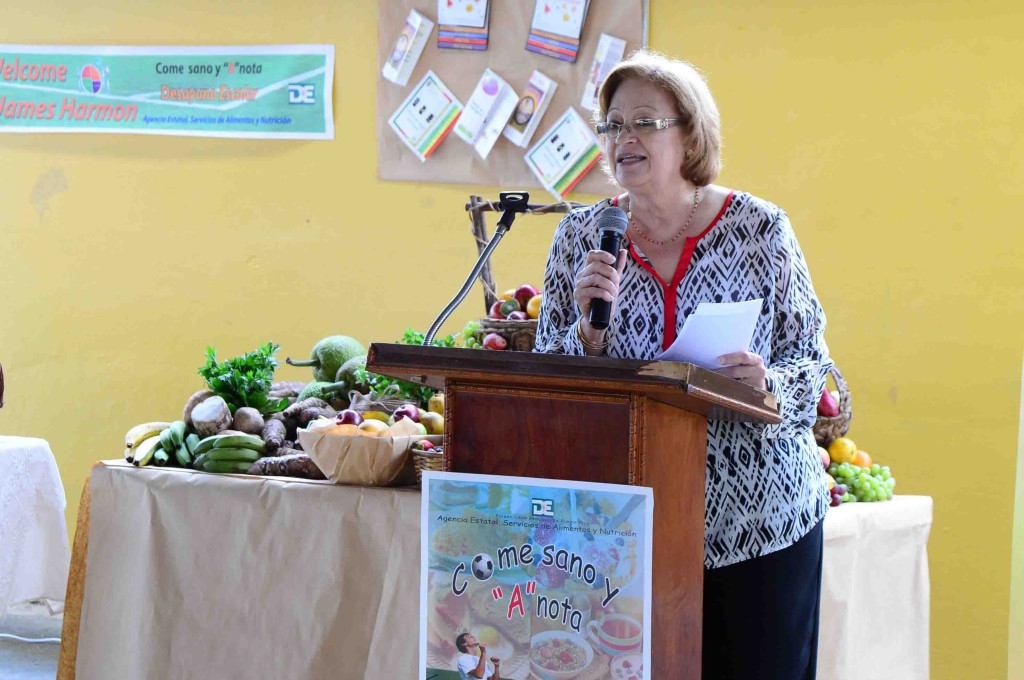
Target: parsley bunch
{"x": 245, "y": 380}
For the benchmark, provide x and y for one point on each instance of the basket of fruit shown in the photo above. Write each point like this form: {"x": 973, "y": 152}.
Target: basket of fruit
{"x": 426, "y": 455}
{"x": 512, "y": 321}
{"x": 834, "y": 411}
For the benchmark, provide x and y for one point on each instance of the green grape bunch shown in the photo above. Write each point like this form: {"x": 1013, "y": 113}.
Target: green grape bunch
{"x": 863, "y": 485}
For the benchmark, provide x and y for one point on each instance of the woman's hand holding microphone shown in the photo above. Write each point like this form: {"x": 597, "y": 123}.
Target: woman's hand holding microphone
{"x": 598, "y": 280}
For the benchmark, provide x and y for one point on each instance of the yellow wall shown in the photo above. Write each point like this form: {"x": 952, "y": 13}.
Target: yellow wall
{"x": 892, "y": 136}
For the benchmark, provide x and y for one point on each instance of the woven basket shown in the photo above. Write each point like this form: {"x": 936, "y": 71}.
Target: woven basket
{"x": 828, "y": 428}
{"x": 426, "y": 460}
{"x": 520, "y": 335}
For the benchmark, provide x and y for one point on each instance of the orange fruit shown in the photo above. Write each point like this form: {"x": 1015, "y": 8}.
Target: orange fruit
{"x": 533, "y": 306}
{"x": 842, "y": 450}
{"x": 861, "y": 459}
{"x": 509, "y": 294}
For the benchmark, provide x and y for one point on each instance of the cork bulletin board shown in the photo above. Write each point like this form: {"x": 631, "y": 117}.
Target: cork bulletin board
{"x": 454, "y": 160}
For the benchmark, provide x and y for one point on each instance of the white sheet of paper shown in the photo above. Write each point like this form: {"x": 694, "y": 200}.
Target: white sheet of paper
{"x": 712, "y": 330}
{"x": 424, "y": 117}
{"x": 564, "y": 18}
{"x": 496, "y": 121}
{"x": 609, "y": 53}
{"x": 555, "y": 154}
{"x": 462, "y": 13}
{"x": 486, "y": 112}
{"x": 408, "y": 48}
{"x": 533, "y": 102}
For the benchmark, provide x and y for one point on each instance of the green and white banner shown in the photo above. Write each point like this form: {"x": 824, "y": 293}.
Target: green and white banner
{"x": 267, "y": 92}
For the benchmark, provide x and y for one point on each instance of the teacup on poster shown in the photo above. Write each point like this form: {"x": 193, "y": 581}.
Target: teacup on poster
{"x": 533, "y": 103}
{"x": 486, "y": 112}
{"x": 564, "y": 154}
{"x": 426, "y": 116}
{"x": 609, "y": 53}
{"x": 408, "y": 48}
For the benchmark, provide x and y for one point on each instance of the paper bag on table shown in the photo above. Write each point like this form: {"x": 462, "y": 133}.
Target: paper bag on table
{"x": 368, "y": 461}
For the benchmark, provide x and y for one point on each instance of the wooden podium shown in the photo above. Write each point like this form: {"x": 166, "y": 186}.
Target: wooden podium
{"x": 595, "y": 419}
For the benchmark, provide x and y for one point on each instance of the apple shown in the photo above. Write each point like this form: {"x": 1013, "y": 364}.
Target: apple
{"x": 524, "y": 293}
{"x": 425, "y": 445}
{"x": 495, "y": 312}
{"x": 410, "y": 411}
{"x": 827, "y": 405}
{"x": 825, "y": 458}
{"x": 518, "y": 316}
{"x": 494, "y": 341}
{"x": 349, "y": 417}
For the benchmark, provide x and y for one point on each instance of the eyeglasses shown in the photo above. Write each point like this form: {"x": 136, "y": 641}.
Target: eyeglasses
{"x": 640, "y": 126}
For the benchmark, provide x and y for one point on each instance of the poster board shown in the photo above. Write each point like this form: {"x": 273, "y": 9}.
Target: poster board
{"x": 552, "y": 578}
{"x": 454, "y": 160}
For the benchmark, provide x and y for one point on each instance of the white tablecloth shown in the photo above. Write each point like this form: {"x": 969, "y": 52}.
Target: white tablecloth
{"x": 34, "y": 551}
{"x": 875, "y": 592}
{"x": 247, "y": 577}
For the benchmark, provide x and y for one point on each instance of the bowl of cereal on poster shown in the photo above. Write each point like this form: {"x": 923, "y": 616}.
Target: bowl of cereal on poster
{"x": 627, "y": 667}
{"x": 559, "y": 655}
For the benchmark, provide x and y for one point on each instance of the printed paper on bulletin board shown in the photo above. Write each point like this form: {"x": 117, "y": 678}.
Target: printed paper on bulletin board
{"x": 454, "y": 160}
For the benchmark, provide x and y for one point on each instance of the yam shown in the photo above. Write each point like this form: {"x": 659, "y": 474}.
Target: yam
{"x": 282, "y": 390}
{"x": 211, "y": 416}
{"x": 298, "y": 407}
{"x": 248, "y": 420}
{"x": 273, "y": 434}
{"x": 291, "y": 465}
{"x": 193, "y": 401}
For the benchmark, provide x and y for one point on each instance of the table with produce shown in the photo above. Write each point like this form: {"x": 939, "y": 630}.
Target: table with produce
{"x": 371, "y": 435}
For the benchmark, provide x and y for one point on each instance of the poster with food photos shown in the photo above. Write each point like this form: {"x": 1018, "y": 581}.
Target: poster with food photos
{"x": 426, "y": 116}
{"x": 562, "y": 156}
{"x": 534, "y": 578}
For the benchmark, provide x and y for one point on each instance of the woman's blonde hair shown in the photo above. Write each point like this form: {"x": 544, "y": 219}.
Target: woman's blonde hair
{"x": 689, "y": 89}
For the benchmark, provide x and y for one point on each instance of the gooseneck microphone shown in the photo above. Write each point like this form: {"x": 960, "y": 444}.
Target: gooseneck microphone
{"x": 511, "y": 203}
{"x": 611, "y": 226}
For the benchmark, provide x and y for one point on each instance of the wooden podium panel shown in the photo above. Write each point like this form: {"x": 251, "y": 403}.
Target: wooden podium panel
{"x": 596, "y": 419}
{"x": 538, "y": 433}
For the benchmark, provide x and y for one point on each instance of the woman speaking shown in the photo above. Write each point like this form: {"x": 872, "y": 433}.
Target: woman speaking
{"x": 689, "y": 241}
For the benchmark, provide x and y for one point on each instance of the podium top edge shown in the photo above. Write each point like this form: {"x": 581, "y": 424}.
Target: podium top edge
{"x": 663, "y": 380}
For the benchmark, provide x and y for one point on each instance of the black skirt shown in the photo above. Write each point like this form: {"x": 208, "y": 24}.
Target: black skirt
{"x": 761, "y": 615}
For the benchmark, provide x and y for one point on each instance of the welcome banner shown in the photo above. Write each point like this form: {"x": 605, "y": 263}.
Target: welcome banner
{"x": 268, "y": 92}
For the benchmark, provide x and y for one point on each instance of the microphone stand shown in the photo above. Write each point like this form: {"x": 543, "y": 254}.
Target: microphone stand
{"x": 511, "y": 202}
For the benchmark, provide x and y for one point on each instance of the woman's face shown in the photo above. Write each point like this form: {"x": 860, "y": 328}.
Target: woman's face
{"x": 651, "y": 159}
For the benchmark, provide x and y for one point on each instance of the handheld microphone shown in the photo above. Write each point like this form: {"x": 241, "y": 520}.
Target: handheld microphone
{"x": 611, "y": 225}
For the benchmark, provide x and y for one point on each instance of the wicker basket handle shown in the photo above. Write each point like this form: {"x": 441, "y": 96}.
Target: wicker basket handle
{"x": 842, "y": 386}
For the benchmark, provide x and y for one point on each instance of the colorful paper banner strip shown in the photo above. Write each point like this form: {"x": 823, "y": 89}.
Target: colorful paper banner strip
{"x": 552, "y": 45}
{"x": 573, "y": 176}
{"x": 462, "y": 37}
{"x": 431, "y": 142}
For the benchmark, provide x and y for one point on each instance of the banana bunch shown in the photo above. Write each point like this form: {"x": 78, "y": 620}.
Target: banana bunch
{"x": 158, "y": 442}
{"x": 135, "y": 437}
{"x": 227, "y": 452}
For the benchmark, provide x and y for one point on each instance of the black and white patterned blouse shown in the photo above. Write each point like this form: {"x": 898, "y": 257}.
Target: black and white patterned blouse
{"x": 764, "y": 488}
